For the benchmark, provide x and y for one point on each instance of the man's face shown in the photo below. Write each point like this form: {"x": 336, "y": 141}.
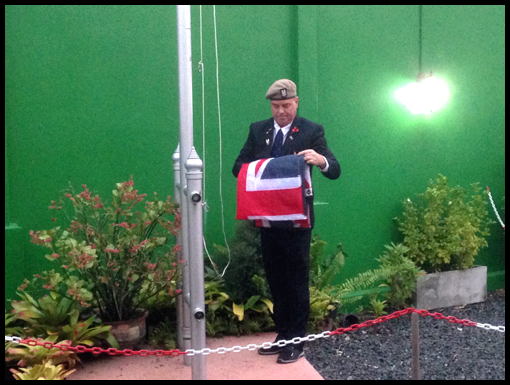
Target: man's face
{"x": 284, "y": 111}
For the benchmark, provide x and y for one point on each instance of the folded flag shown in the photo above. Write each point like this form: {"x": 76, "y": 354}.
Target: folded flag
{"x": 274, "y": 189}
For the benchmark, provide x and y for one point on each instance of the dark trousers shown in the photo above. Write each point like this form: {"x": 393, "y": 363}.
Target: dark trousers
{"x": 286, "y": 257}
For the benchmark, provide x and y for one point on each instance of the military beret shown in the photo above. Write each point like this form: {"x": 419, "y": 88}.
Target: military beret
{"x": 282, "y": 89}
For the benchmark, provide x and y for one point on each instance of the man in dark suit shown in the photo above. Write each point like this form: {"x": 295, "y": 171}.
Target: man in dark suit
{"x": 286, "y": 244}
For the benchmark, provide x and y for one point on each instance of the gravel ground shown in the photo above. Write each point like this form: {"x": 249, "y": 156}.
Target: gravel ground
{"x": 447, "y": 351}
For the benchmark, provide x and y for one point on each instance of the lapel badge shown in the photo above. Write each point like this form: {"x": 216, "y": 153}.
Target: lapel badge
{"x": 267, "y": 142}
{"x": 291, "y": 137}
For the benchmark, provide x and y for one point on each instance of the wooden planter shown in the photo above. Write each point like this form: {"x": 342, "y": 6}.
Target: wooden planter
{"x": 451, "y": 288}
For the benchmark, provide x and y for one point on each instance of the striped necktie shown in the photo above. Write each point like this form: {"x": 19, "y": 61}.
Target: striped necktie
{"x": 277, "y": 145}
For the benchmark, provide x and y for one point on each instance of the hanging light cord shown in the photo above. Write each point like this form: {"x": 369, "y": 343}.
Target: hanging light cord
{"x": 420, "y": 18}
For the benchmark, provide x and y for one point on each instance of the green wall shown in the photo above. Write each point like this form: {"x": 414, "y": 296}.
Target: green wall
{"x": 367, "y": 52}
{"x": 91, "y": 98}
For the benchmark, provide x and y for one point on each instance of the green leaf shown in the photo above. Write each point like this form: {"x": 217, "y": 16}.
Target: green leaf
{"x": 251, "y": 302}
{"x": 63, "y": 306}
{"x": 33, "y": 301}
{"x": 112, "y": 341}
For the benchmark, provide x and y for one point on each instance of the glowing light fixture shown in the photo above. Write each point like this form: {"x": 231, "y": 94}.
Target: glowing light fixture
{"x": 428, "y": 94}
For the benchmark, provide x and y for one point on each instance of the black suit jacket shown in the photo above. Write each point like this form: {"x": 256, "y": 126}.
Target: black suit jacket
{"x": 303, "y": 135}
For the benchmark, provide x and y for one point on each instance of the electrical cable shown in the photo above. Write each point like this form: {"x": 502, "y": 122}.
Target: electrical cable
{"x": 219, "y": 127}
{"x": 201, "y": 69}
{"x": 420, "y": 37}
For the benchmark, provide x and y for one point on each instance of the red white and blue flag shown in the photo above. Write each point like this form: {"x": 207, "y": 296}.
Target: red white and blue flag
{"x": 274, "y": 189}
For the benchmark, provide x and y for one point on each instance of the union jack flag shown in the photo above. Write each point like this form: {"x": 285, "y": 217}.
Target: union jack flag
{"x": 274, "y": 189}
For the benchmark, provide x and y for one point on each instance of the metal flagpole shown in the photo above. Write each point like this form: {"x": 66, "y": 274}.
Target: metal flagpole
{"x": 183, "y": 312}
{"x": 196, "y": 263}
{"x": 185, "y": 139}
{"x": 191, "y": 207}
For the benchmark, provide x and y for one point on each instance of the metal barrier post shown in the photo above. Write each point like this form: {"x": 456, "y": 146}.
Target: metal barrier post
{"x": 415, "y": 346}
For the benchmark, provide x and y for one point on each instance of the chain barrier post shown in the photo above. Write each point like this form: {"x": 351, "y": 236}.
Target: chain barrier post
{"x": 415, "y": 346}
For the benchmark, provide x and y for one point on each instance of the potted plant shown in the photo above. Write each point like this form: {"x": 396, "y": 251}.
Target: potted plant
{"x": 112, "y": 258}
{"x": 444, "y": 228}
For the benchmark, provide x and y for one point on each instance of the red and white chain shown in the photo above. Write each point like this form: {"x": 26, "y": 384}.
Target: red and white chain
{"x": 237, "y": 349}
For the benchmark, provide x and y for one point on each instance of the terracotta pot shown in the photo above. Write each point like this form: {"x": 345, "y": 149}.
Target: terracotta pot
{"x": 129, "y": 333}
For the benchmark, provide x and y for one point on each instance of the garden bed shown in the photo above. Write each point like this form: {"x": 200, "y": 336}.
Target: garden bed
{"x": 447, "y": 351}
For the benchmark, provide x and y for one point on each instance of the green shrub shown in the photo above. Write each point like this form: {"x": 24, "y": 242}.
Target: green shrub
{"x": 226, "y": 317}
{"x": 402, "y": 275}
{"x": 246, "y": 262}
{"x": 445, "y": 227}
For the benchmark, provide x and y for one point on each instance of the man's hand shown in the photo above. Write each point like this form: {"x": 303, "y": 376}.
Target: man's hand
{"x": 311, "y": 157}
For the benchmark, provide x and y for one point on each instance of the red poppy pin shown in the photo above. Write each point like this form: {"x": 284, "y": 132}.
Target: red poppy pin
{"x": 295, "y": 129}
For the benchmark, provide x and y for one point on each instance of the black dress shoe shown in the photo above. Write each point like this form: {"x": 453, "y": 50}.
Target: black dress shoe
{"x": 290, "y": 354}
{"x": 271, "y": 351}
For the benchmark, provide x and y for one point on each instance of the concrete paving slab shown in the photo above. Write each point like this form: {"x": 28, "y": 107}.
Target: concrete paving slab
{"x": 245, "y": 365}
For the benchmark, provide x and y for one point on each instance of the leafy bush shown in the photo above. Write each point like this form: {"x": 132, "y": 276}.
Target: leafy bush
{"x": 165, "y": 333}
{"x": 324, "y": 269}
{"x": 113, "y": 257}
{"x": 402, "y": 274}
{"x": 226, "y": 317}
{"x": 44, "y": 371}
{"x": 396, "y": 271}
{"x": 56, "y": 315}
{"x": 445, "y": 226}
{"x": 325, "y": 298}
{"x": 27, "y": 355}
{"x": 246, "y": 262}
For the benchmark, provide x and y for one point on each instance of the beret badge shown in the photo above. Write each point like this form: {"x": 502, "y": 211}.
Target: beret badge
{"x": 283, "y": 92}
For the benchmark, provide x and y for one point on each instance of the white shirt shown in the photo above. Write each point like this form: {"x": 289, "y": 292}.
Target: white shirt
{"x": 285, "y": 131}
